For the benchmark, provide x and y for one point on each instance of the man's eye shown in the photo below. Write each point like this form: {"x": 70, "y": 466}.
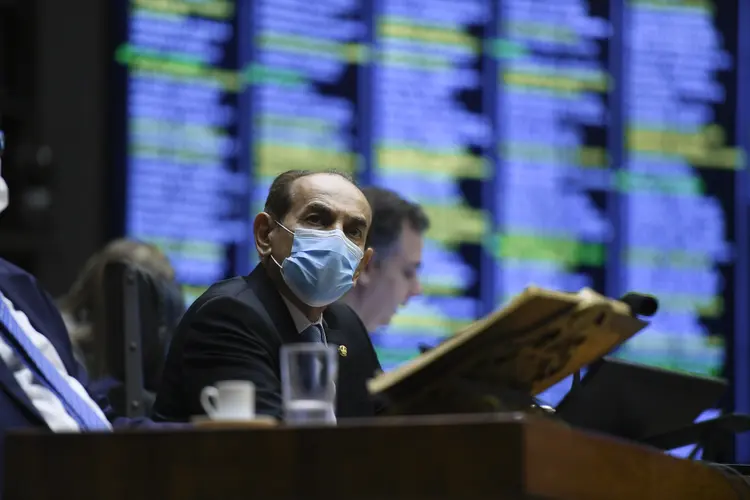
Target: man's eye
{"x": 313, "y": 219}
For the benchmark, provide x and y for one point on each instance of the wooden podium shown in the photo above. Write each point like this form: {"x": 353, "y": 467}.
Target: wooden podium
{"x": 505, "y": 456}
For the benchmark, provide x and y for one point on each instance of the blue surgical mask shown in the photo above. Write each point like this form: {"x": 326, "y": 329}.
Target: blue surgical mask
{"x": 321, "y": 267}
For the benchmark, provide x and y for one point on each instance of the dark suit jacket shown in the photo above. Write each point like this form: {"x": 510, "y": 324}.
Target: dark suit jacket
{"x": 234, "y": 332}
{"x": 16, "y": 409}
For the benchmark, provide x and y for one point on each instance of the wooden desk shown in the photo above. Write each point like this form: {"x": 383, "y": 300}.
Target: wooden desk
{"x": 461, "y": 458}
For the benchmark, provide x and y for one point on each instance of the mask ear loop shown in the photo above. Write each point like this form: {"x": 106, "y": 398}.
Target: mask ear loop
{"x": 288, "y": 231}
{"x": 282, "y": 226}
{"x": 275, "y": 261}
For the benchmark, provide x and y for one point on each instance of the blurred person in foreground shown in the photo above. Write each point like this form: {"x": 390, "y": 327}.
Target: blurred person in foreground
{"x": 311, "y": 242}
{"x": 85, "y": 307}
{"x": 43, "y": 386}
{"x": 391, "y": 277}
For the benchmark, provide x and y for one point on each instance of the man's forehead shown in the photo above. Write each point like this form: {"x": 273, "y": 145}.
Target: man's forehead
{"x": 332, "y": 190}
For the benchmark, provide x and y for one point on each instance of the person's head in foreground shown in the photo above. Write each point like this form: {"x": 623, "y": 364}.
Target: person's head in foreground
{"x": 311, "y": 237}
{"x": 391, "y": 278}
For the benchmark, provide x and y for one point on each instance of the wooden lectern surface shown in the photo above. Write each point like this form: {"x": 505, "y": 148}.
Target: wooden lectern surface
{"x": 461, "y": 458}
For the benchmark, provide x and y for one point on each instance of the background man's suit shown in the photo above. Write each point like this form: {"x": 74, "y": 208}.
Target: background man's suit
{"x": 16, "y": 409}
{"x": 234, "y": 332}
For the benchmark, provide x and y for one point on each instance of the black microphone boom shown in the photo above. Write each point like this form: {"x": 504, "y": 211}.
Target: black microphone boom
{"x": 640, "y": 304}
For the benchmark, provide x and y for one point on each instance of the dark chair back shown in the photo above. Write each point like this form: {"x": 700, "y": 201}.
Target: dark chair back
{"x": 140, "y": 313}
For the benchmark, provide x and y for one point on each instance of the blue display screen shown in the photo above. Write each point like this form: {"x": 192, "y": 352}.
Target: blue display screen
{"x": 563, "y": 144}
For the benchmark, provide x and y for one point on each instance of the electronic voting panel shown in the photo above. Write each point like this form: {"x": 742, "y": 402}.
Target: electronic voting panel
{"x": 183, "y": 188}
{"x": 563, "y": 144}
{"x": 429, "y": 142}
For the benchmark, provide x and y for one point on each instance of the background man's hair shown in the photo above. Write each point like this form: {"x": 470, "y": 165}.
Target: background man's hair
{"x": 389, "y": 213}
{"x": 279, "y": 200}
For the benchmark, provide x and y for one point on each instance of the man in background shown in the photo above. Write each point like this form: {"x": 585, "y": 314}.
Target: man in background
{"x": 311, "y": 240}
{"x": 391, "y": 277}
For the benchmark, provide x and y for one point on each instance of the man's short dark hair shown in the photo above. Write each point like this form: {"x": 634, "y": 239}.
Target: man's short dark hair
{"x": 279, "y": 200}
{"x": 389, "y": 213}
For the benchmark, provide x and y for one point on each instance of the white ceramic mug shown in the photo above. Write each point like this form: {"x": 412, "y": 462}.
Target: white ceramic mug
{"x": 229, "y": 400}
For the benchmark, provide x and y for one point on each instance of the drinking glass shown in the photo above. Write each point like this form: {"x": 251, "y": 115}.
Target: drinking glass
{"x": 308, "y": 383}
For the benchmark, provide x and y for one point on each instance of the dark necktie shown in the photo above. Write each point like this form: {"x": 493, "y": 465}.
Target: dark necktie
{"x": 313, "y": 334}
{"x": 47, "y": 374}
{"x": 310, "y": 366}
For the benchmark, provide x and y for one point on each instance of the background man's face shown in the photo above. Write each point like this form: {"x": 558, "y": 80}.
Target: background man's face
{"x": 393, "y": 277}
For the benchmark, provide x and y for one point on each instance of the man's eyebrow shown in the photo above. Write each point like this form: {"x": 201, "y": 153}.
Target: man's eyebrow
{"x": 317, "y": 206}
{"x": 360, "y": 220}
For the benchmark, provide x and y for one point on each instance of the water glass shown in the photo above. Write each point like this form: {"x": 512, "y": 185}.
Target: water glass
{"x": 308, "y": 383}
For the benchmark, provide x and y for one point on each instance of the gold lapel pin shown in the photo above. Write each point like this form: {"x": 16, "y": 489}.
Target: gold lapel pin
{"x": 343, "y": 351}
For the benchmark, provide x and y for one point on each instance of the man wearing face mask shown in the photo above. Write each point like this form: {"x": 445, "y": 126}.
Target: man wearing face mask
{"x": 311, "y": 242}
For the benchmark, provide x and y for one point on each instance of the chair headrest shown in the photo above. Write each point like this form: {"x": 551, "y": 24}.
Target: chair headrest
{"x": 160, "y": 306}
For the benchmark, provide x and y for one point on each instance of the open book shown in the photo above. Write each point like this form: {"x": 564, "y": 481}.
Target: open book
{"x": 499, "y": 361}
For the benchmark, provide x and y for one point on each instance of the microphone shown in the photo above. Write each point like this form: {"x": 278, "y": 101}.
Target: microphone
{"x": 423, "y": 348}
{"x": 640, "y": 304}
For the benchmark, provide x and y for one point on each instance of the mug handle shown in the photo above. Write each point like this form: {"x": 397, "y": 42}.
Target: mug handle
{"x": 209, "y": 396}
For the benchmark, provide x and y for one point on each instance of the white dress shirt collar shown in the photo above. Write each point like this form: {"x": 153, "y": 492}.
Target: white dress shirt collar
{"x": 301, "y": 322}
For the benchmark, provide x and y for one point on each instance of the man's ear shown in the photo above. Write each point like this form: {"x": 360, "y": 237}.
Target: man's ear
{"x": 262, "y": 226}
{"x": 362, "y": 274}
